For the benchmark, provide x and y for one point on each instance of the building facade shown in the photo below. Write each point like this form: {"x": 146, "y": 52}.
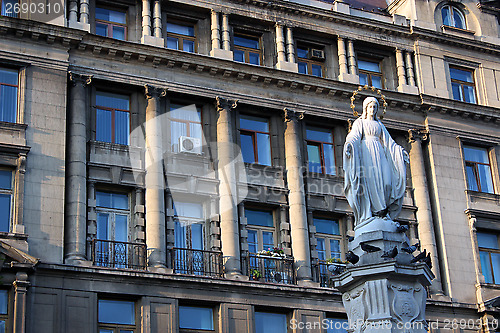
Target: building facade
{"x": 176, "y": 166}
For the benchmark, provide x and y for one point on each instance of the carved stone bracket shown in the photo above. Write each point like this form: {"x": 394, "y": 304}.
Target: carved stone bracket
{"x": 80, "y": 79}
{"x": 154, "y": 92}
{"x": 21, "y": 163}
{"x": 225, "y": 104}
{"x": 418, "y": 135}
{"x": 291, "y": 115}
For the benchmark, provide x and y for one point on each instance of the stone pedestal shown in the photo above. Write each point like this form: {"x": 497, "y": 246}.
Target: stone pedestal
{"x": 287, "y": 66}
{"x": 384, "y": 295}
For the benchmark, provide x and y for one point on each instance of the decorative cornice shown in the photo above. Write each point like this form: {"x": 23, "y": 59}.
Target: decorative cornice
{"x": 154, "y": 92}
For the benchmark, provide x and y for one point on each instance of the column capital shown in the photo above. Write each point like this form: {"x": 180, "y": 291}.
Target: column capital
{"x": 417, "y": 135}
{"x": 154, "y": 92}
{"x": 225, "y": 103}
{"x": 80, "y": 79}
{"x": 291, "y": 115}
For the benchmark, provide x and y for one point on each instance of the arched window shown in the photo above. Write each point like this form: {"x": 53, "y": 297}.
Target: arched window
{"x": 453, "y": 17}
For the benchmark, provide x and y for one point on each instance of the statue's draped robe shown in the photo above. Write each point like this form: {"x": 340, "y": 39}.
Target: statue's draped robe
{"x": 375, "y": 174}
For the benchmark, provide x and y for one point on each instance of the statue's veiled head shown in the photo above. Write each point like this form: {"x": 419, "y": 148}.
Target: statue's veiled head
{"x": 370, "y": 108}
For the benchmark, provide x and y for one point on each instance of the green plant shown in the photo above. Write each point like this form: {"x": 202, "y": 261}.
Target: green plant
{"x": 335, "y": 261}
{"x": 255, "y": 273}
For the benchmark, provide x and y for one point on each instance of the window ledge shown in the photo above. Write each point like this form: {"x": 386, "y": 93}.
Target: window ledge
{"x": 14, "y": 236}
{"x": 112, "y": 146}
{"x": 4, "y": 125}
{"x": 457, "y": 31}
{"x": 490, "y": 285}
{"x": 323, "y": 176}
{"x": 482, "y": 196}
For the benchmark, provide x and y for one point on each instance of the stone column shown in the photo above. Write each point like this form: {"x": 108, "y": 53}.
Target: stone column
{"x": 76, "y": 167}
{"x": 146, "y": 18}
{"x": 290, "y": 45}
{"x": 351, "y": 56}
{"x": 409, "y": 69}
{"x": 342, "y": 57}
{"x": 296, "y": 196}
{"x": 226, "y": 40}
{"x": 157, "y": 28}
{"x": 21, "y": 285}
{"x": 214, "y": 20}
{"x": 73, "y": 12}
{"x": 280, "y": 43}
{"x": 218, "y": 52}
{"x": 227, "y": 188}
{"x": 347, "y": 61}
{"x": 155, "y": 187}
{"x": 92, "y": 215}
{"x": 84, "y": 12}
{"x": 18, "y": 209}
{"x": 400, "y": 66}
{"x": 422, "y": 201}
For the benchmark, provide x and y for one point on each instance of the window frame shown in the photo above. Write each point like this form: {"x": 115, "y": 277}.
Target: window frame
{"x": 247, "y": 50}
{"x": 476, "y": 169}
{"x": 368, "y": 73}
{"x": 6, "y": 317}
{"x": 489, "y": 251}
{"x": 111, "y": 24}
{"x": 462, "y": 83}
{"x": 117, "y": 327}
{"x": 320, "y": 144}
{"x": 180, "y": 37}
{"x": 18, "y": 86}
{"x": 253, "y": 134}
{"x": 197, "y": 330}
{"x": 273, "y": 311}
{"x": 310, "y": 62}
{"x": 187, "y": 122}
{"x": 14, "y": 15}
{"x": 260, "y": 229}
{"x": 113, "y": 212}
{"x": 329, "y": 237}
{"x": 190, "y": 221}
{"x": 10, "y": 192}
{"x": 451, "y": 11}
{"x": 113, "y": 117}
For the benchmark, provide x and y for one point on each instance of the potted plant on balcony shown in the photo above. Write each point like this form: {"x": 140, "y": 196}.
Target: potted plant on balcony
{"x": 274, "y": 252}
{"x": 335, "y": 265}
{"x": 255, "y": 274}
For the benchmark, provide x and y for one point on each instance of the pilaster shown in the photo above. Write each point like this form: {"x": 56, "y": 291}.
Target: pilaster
{"x": 21, "y": 285}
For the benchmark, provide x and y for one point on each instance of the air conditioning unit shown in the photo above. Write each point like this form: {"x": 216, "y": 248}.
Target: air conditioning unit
{"x": 316, "y": 54}
{"x": 189, "y": 145}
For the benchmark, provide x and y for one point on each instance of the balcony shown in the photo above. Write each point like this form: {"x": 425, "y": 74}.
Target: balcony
{"x": 269, "y": 269}
{"x": 197, "y": 262}
{"x": 323, "y": 272}
{"x": 113, "y": 254}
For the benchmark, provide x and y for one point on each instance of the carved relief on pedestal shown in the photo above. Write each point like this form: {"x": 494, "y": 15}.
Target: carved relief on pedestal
{"x": 408, "y": 307}
{"x": 354, "y": 303}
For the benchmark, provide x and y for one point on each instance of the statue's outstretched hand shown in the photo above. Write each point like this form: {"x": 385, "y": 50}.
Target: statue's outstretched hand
{"x": 406, "y": 157}
{"x": 348, "y": 150}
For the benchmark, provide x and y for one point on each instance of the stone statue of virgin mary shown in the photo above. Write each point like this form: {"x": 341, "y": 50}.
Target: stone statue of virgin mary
{"x": 374, "y": 172}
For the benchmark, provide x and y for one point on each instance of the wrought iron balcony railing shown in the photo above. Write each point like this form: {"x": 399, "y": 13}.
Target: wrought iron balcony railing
{"x": 113, "y": 254}
{"x": 197, "y": 262}
{"x": 269, "y": 269}
{"x": 324, "y": 271}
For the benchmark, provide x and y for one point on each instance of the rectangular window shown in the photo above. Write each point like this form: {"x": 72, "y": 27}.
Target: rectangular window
{"x": 477, "y": 165}
{"x": 320, "y": 150}
{"x": 370, "y": 73}
{"x": 113, "y": 215}
{"x": 261, "y": 230}
{"x": 329, "y": 239}
{"x": 489, "y": 252}
{"x": 193, "y": 319}
{"x": 255, "y": 140}
{"x": 311, "y": 60}
{"x": 189, "y": 222}
{"x": 185, "y": 122}
{"x": 247, "y": 49}
{"x": 336, "y": 325}
{"x": 117, "y": 316}
{"x": 8, "y": 8}
{"x": 4, "y": 310}
{"x": 181, "y": 36}
{"x": 462, "y": 84}
{"x": 111, "y": 23}
{"x": 112, "y": 118}
{"x": 266, "y": 322}
{"x": 6, "y": 195}
{"x": 9, "y": 85}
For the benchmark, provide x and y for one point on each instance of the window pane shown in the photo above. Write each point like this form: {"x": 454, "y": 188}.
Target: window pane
{"x": 8, "y": 103}
{"x": 337, "y": 326}
{"x": 172, "y": 43}
{"x": 4, "y": 301}
{"x": 376, "y": 81}
{"x": 5, "y": 179}
{"x": 319, "y": 134}
{"x": 317, "y": 70}
{"x": 445, "y": 14}
{"x": 252, "y": 241}
{"x": 267, "y": 240}
{"x": 188, "y": 112}
{"x": 334, "y": 248}
{"x": 369, "y": 66}
{"x": 458, "y": 20}
{"x": 252, "y": 43}
{"x": 254, "y": 58}
{"x": 180, "y": 29}
{"x": 329, "y": 159}
{"x": 469, "y": 94}
{"x": 247, "y": 149}
{"x": 112, "y": 101}
{"x": 302, "y": 53}
{"x": 486, "y": 240}
{"x": 471, "y": 178}
{"x": 5, "y": 200}
{"x": 110, "y": 15}
{"x": 102, "y": 226}
{"x": 101, "y": 29}
{"x": 188, "y": 46}
{"x": 302, "y": 67}
{"x": 363, "y": 79}
{"x": 270, "y": 322}
{"x": 457, "y": 91}
{"x": 121, "y": 228}
{"x": 259, "y": 217}
{"x": 254, "y": 123}
{"x": 103, "y": 125}
{"x": 10, "y": 8}
{"x": 239, "y": 56}
{"x": 117, "y": 312}
{"x": 180, "y": 235}
{"x": 103, "y": 330}
{"x": 461, "y": 75}
{"x": 320, "y": 247}
{"x": 103, "y": 199}
{"x": 495, "y": 261}
{"x": 177, "y": 129}
{"x": 188, "y": 210}
{"x": 485, "y": 178}
{"x": 325, "y": 226}
{"x": 119, "y": 33}
{"x": 122, "y": 127}
{"x": 2, "y": 326}
{"x": 8, "y": 76}
{"x": 264, "y": 149}
{"x": 314, "y": 158}
{"x": 197, "y": 236}
{"x": 475, "y": 154}
{"x": 486, "y": 266}
{"x": 196, "y": 318}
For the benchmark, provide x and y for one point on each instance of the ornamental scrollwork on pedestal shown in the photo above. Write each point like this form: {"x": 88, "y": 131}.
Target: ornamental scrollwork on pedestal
{"x": 225, "y": 104}
{"x": 291, "y": 115}
{"x": 404, "y": 305}
{"x": 355, "y": 308}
